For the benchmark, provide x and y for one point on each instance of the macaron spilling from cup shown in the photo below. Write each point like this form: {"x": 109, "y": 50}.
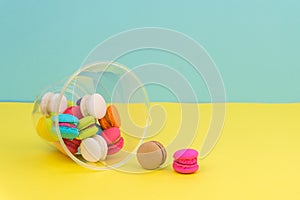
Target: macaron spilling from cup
{"x": 111, "y": 118}
{"x": 67, "y": 126}
{"x": 79, "y": 125}
{"x": 93, "y": 149}
{"x": 114, "y": 140}
{"x": 87, "y": 127}
{"x": 151, "y": 155}
{"x": 93, "y": 105}
{"x": 185, "y": 161}
{"x": 50, "y": 101}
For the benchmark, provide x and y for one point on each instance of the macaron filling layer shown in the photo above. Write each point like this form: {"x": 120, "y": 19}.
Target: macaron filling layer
{"x": 88, "y": 132}
{"x": 111, "y": 143}
{"x": 187, "y": 161}
{"x": 185, "y": 169}
{"x": 116, "y": 147}
{"x": 185, "y": 165}
{"x": 67, "y": 124}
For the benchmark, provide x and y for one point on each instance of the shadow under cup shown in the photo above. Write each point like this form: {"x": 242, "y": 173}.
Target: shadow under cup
{"x": 119, "y": 87}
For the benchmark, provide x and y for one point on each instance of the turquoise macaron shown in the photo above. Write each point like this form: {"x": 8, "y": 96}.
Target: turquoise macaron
{"x": 67, "y": 126}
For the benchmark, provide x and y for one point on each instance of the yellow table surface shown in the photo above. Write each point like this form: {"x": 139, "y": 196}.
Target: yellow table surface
{"x": 257, "y": 157}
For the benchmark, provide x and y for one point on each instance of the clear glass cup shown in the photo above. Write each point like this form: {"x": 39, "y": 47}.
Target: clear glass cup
{"x": 119, "y": 87}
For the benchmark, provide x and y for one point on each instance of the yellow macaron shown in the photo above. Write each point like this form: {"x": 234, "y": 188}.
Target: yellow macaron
{"x": 43, "y": 129}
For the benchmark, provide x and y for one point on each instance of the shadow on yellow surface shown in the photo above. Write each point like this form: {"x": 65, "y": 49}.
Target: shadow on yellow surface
{"x": 257, "y": 157}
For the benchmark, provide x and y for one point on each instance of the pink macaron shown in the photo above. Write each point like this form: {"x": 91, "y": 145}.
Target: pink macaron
{"x": 72, "y": 145}
{"x": 69, "y": 125}
{"x": 75, "y": 111}
{"x": 185, "y": 161}
{"x": 114, "y": 140}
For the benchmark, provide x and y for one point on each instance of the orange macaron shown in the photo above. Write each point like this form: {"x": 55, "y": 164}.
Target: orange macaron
{"x": 111, "y": 118}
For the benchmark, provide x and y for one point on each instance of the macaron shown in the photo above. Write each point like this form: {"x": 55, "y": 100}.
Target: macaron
{"x": 113, "y": 139}
{"x": 44, "y": 103}
{"x": 93, "y": 105}
{"x": 111, "y": 118}
{"x": 44, "y": 130}
{"x": 185, "y": 161}
{"x": 72, "y": 145}
{"x": 151, "y": 155}
{"x": 87, "y": 127}
{"x": 93, "y": 149}
{"x": 74, "y": 110}
{"x": 104, "y": 149}
{"x": 78, "y": 102}
{"x": 50, "y": 102}
{"x": 54, "y": 101}
{"x": 67, "y": 126}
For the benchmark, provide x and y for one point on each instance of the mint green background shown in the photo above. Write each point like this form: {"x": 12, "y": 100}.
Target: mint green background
{"x": 255, "y": 44}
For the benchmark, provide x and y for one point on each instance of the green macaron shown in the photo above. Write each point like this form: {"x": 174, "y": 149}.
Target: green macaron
{"x": 85, "y": 122}
{"x": 88, "y": 132}
{"x": 87, "y": 127}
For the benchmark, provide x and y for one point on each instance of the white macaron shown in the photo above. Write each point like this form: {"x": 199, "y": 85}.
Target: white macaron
{"x": 90, "y": 150}
{"x": 44, "y": 103}
{"x": 49, "y": 103}
{"x": 54, "y": 101}
{"x": 93, "y": 105}
{"x": 94, "y": 148}
{"x": 103, "y": 145}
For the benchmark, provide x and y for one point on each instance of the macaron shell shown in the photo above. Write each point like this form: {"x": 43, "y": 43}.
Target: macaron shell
{"x": 187, "y": 161}
{"x": 85, "y": 122}
{"x": 113, "y": 116}
{"x": 44, "y": 103}
{"x": 63, "y": 104}
{"x": 115, "y": 148}
{"x": 66, "y": 118}
{"x": 66, "y": 132}
{"x": 111, "y": 135}
{"x": 96, "y": 106}
{"x": 103, "y": 145}
{"x": 75, "y": 111}
{"x": 104, "y": 123}
{"x": 90, "y": 150}
{"x": 43, "y": 129}
{"x": 54, "y": 101}
{"x": 72, "y": 145}
{"x": 185, "y": 154}
{"x": 67, "y": 124}
{"x": 185, "y": 169}
{"x": 88, "y": 132}
{"x": 83, "y": 105}
{"x": 150, "y": 155}
{"x": 163, "y": 151}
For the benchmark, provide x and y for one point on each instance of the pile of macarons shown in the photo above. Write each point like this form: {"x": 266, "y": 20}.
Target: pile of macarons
{"x": 88, "y": 127}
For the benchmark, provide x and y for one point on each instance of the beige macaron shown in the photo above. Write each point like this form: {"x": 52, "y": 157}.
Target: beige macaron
{"x": 151, "y": 155}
